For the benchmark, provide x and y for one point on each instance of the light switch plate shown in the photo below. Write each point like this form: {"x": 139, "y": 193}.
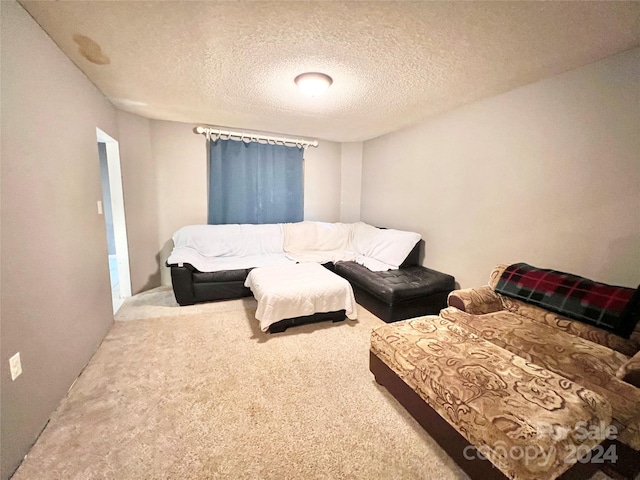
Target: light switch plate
{"x": 15, "y": 366}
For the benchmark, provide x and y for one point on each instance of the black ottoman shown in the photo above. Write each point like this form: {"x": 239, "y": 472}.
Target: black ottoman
{"x": 398, "y": 294}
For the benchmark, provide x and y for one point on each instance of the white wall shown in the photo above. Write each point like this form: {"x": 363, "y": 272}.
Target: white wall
{"x": 548, "y": 174}
{"x": 351, "y": 182}
{"x": 56, "y": 294}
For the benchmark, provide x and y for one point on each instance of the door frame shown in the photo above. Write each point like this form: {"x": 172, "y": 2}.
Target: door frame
{"x": 117, "y": 208}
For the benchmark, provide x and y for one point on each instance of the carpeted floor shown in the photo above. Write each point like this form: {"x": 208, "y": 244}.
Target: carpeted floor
{"x": 200, "y": 393}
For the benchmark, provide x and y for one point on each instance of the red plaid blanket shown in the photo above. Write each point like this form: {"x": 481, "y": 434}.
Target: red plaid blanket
{"x": 612, "y": 308}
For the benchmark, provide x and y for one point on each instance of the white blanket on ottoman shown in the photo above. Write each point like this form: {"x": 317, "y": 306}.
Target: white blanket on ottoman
{"x": 288, "y": 291}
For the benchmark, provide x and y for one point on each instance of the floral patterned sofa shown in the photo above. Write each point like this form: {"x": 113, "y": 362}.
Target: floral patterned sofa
{"x": 537, "y": 393}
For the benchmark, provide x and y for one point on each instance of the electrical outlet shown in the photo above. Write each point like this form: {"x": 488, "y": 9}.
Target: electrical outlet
{"x": 15, "y": 366}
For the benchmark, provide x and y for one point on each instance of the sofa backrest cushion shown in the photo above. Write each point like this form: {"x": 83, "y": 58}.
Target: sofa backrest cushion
{"x": 612, "y": 308}
{"x": 317, "y": 236}
{"x": 231, "y": 240}
{"x": 378, "y": 249}
{"x": 626, "y": 346}
{"x": 496, "y": 274}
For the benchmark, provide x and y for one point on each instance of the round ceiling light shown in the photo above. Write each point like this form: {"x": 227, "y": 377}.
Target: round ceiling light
{"x": 313, "y": 84}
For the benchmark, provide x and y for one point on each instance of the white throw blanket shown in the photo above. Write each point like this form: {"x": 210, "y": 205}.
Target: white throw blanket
{"x": 376, "y": 248}
{"x": 211, "y": 248}
{"x": 382, "y": 249}
{"x": 319, "y": 242}
{"x": 310, "y": 236}
{"x": 298, "y": 290}
{"x": 218, "y": 264}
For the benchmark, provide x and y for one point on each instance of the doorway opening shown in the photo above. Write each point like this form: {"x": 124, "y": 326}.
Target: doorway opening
{"x": 114, "y": 219}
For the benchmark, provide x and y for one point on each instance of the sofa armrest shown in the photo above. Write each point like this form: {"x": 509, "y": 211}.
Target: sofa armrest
{"x": 182, "y": 281}
{"x": 629, "y": 371}
{"x": 476, "y": 301}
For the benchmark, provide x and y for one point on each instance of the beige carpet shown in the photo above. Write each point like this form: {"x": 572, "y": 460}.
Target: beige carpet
{"x": 200, "y": 392}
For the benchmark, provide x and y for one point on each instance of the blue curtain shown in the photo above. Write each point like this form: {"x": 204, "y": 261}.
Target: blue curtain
{"x": 254, "y": 183}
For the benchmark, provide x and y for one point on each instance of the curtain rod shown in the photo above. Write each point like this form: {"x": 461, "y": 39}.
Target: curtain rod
{"x": 253, "y": 137}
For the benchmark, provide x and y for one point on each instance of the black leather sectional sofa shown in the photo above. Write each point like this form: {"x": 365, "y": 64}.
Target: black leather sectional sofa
{"x": 410, "y": 291}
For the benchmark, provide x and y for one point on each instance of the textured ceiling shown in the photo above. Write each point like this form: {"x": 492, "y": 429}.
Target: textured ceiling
{"x": 393, "y": 63}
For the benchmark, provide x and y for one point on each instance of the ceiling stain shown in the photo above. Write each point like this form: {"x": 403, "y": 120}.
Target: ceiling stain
{"x": 90, "y": 50}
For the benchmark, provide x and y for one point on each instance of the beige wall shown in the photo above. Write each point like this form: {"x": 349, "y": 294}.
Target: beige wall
{"x": 548, "y": 174}
{"x": 56, "y": 305}
{"x": 180, "y": 158}
{"x": 322, "y": 182}
{"x": 140, "y": 200}
{"x": 351, "y": 182}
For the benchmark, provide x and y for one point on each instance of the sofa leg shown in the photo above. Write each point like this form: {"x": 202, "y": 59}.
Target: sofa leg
{"x": 282, "y": 325}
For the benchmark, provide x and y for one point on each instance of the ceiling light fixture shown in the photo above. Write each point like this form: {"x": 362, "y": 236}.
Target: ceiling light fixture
{"x": 313, "y": 84}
